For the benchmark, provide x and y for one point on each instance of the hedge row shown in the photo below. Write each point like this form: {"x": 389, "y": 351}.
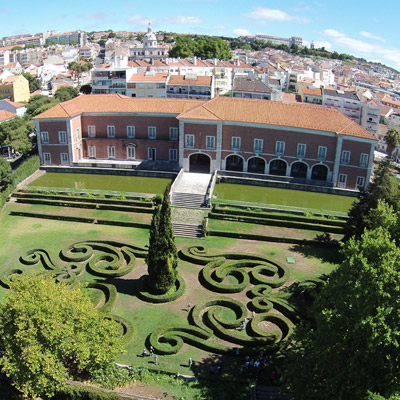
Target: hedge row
{"x": 272, "y": 222}
{"x": 75, "y": 392}
{"x": 80, "y": 219}
{"x": 269, "y": 238}
{"x": 277, "y": 211}
{"x": 126, "y": 327}
{"x": 161, "y": 298}
{"x": 89, "y": 205}
{"x": 82, "y": 199}
{"x": 26, "y": 169}
{"x": 283, "y": 323}
{"x": 7, "y": 276}
{"x": 270, "y": 215}
{"x": 110, "y": 294}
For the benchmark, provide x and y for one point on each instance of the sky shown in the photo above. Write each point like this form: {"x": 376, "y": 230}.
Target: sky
{"x": 368, "y": 29}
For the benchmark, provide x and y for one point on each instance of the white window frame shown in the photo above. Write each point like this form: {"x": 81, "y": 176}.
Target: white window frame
{"x": 111, "y": 131}
{"x": 364, "y": 159}
{"x": 62, "y": 137}
{"x": 130, "y": 132}
{"x": 322, "y": 151}
{"x": 150, "y": 151}
{"x": 301, "y": 150}
{"x": 210, "y": 142}
{"x": 111, "y": 151}
{"x": 258, "y": 145}
{"x": 342, "y": 180}
{"x": 46, "y": 158}
{"x": 152, "y": 132}
{"x": 279, "y": 147}
{"x": 64, "y": 158}
{"x": 92, "y": 151}
{"x": 189, "y": 141}
{"x": 358, "y": 183}
{"x": 346, "y": 154}
{"x": 44, "y": 136}
{"x": 236, "y": 143}
{"x": 173, "y": 155}
{"x": 132, "y": 151}
{"x": 91, "y": 131}
{"x": 173, "y": 133}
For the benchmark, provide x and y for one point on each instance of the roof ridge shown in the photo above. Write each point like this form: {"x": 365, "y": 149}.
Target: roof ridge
{"x": 346, "y": 126}
{"x": 211, "y": 101}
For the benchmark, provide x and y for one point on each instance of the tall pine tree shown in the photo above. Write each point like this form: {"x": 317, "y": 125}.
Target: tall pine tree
{"x": 162, "y": 260}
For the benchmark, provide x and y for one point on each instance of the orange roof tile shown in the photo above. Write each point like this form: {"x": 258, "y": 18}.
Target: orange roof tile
{"x": 297, "y": 115}
{"x": 312, "y": 91}
{"x": 115, "y": 103}
{"x": 148, "y": 78}
{"x": 5, "y": 115}
{"x": 182, "y": 80}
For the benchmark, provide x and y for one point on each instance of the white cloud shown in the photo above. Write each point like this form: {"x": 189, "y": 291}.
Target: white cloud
{"x": 320, "y": 43}
{"x": 274, "y": 15}
{"x": 241, "y": 32}
{"x": 180, "y": 19}
{"x": 334, "y": 33}
{"x": 371, "y": 36}
{"x": 139, "y": 20}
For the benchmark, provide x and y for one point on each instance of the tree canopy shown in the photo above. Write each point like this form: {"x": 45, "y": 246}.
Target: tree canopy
{"x": 202, "y": 46}
{"x": 34, "y": 83}
{"x": 65, "y": 93}
{"x": 353, "y": 349}
{"x": 50, "y": 332}
{"x": 392, "y": 140}
{"x": 5, "y": 173}
{"x": 38, "y": 104}
{"x": 15, "y": 134}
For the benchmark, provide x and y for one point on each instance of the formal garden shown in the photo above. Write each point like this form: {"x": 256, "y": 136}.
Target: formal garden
{"x": 233, "y": 300}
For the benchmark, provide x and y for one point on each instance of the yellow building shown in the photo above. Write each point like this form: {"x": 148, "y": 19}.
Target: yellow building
{"x": 15, "y": 87}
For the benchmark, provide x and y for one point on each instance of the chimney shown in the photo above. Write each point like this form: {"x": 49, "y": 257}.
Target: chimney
{"x": 215, "y": 61}
{"x": 194, "y": 60}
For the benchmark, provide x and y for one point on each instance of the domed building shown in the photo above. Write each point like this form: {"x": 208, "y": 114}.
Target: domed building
{"x": 149, "y": 50}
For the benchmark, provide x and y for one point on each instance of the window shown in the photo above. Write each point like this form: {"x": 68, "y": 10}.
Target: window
{"x": 110, "y": 131}
{"x": 152, "y": 132}
{"x": 111, "y": 151}
{"x": 91, "y": 131}
{"x": 62, "y": 137}
{"x": 130, "y": 152}
{"x": 77, "y": 134}
{"x": 151, "y": 154}
{"x": 342, "y": 180}
{"x": 150, "y": 86}
{"x": 92, "y": 151}
{"x": 321, "y": 156}
{"x": 301, "y": 150}
{"x": 345, "y": 157}
{"x": 360, "y": 181}
{"x": 280, "y": 148}
{"x": 235, "y": 143}
{"x": 363, "y": 160}
{"x": 130, "y": 132}
{"x": 258, "y": 145}
{"x": 47, "y": 158}
{"x": 64, "y": 158}
{"x": 173, "y": 133}
{"x": 173, "y": 154}
{"x": 45, "y": 137}
{"x": 141, "y": 85}
{"x": 189, "y": 141}
{"x": 210, "y": 142}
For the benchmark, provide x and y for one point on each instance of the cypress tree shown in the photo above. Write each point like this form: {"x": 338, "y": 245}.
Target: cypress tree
{"x": 162, "y": 258}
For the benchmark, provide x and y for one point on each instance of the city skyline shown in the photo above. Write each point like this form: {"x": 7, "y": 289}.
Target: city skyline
{"x": 368, "y": 31}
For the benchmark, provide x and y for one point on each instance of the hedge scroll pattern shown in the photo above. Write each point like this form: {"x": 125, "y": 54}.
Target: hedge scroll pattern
{"x": 178, "y": 291}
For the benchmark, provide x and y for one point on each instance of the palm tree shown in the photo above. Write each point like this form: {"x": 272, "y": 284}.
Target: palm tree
{"x": 392, "y": 140}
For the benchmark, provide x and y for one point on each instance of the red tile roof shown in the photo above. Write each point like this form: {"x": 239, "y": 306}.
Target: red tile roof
{"x": 183, "y": 80}
{"x": 148, "y": 78}
{"x": 5, "y": 115}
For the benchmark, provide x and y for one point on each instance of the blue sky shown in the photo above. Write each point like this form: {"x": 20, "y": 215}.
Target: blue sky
{"x": 367, "y": 28}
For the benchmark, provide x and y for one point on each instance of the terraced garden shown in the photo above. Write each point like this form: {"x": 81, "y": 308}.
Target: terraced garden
{"x": 102, "y": 241}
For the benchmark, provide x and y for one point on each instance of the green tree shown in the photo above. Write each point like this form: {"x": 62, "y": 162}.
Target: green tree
{"x": 385, "y": 186}
{"x": 5, "y": 173}
{"x": 15, "y": 134}
{"x": 50, "y": 332}
{"x": 34, "y": 83}
{"x": 65, "y": 93}
{"x": 86, "y": 89}
{"x": 392, "y": 140}
{"x": 162, "y": 259}
{"x": 38, "y": 104}
{"x": 353, "y": 348}
{"x": 78, "y": 68}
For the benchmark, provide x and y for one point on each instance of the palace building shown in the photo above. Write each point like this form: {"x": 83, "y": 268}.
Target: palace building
{"x": 307, "y": 143}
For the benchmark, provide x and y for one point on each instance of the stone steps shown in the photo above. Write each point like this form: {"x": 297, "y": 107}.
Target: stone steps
{"x": 270, "y": 393}
{"x": 188, "y": 200}
{"x": 187, "y": 230}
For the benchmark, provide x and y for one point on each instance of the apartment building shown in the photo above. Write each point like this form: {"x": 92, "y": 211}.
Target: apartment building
{"x": 15, "y": 87}
{"x": 308, "y": 144}
{"x": 147, "y": 84}
{"x": 190, "y": 86}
